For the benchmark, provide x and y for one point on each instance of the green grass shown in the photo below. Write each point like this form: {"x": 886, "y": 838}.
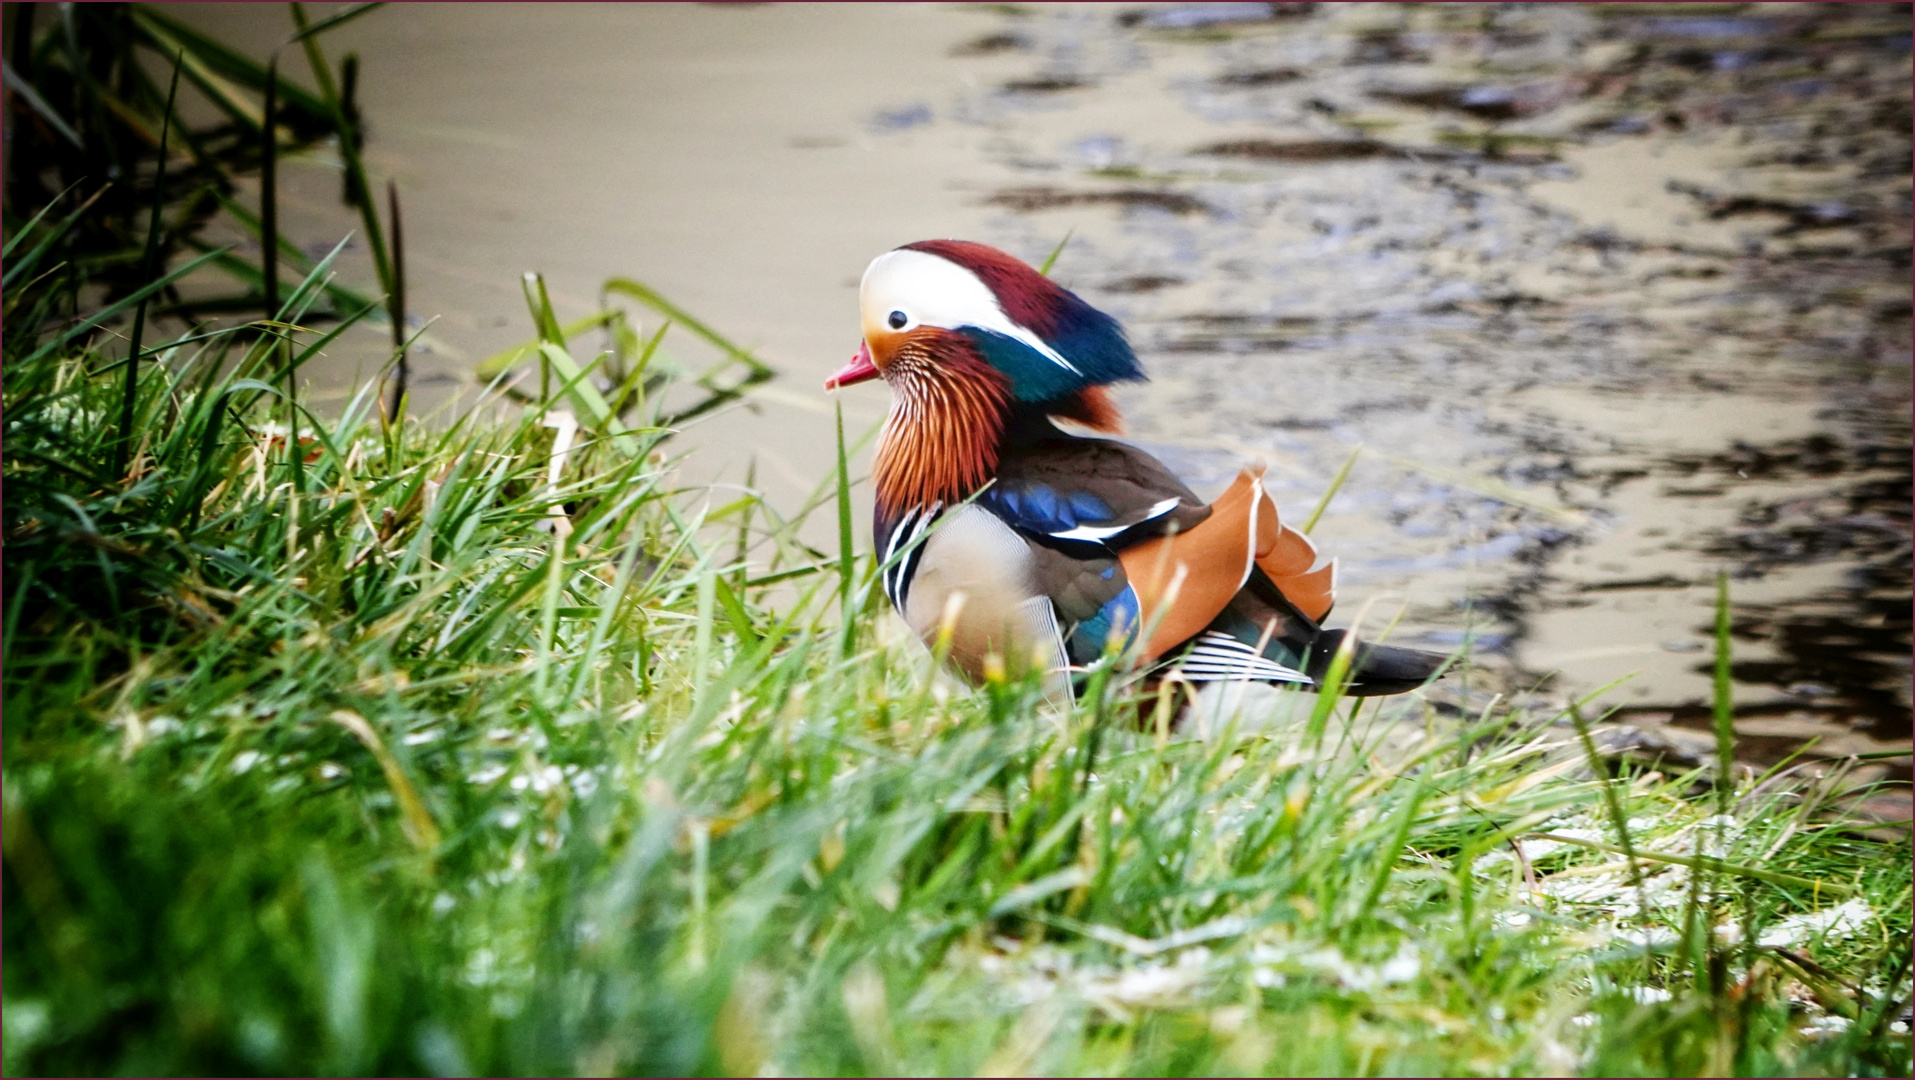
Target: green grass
{"x": 331, "y": 754}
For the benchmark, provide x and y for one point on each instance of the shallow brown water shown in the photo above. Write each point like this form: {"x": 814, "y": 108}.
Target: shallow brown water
{"x": 1612, "y": 298}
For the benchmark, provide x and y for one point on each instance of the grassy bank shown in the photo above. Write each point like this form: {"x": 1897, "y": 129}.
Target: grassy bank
{"x": 390, "y": 747}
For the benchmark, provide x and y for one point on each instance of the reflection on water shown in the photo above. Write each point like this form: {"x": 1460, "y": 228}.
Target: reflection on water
{"x": 1612, "y": 297}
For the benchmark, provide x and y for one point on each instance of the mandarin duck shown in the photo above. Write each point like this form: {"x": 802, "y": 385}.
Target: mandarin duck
{"x": 1010, "y": 537}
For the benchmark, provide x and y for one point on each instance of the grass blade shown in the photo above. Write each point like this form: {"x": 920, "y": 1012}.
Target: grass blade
{"x": 1724, "y": 701}
{"x": 171, "y": 35}
{"x": 847, "y": 605}
{"x": 39, "y": 105}
{"x": 348, "y": 147}
{"x": 644, "y": 294}
{"x": 1336, "y": 485}
{"x": 334, "y": 20}
{"x": 505, "y": 359}
{"x": 1051, "y": 259}
{"x": 19, "y": 269}
{"x": 148, "y": 260}
{"x": 1704, "y": 862}
{"x": 1399, "y": 836}
{"x": 1617, "y": 818}
{"x": 398, "y": 298}
{"x": 26, "y": 228}
{"x": 269, "y": 193}
{"x": 289, "y": 255}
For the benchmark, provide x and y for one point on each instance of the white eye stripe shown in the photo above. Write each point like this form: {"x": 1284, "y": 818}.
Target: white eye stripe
{"x": 935, "y": 291}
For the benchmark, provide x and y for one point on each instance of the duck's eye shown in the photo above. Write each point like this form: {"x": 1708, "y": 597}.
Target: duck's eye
{"x": 897, "y": 320}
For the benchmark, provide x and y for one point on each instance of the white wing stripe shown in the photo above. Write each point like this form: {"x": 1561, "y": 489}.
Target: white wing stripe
{"x": 1087, "y": 532}
{"x": 1105, "y": 532}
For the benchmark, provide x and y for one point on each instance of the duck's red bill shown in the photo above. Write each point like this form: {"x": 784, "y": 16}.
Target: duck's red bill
{"x": 860, "y": 369}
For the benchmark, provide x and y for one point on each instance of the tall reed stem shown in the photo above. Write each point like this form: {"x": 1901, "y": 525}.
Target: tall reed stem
{"x": 269, "y": 194}
{"x": 397, "y": 303}
{"x": 123, "y": 447}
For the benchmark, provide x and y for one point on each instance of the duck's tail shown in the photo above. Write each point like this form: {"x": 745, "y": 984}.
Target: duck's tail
{"x": 1261, "y": 636}
{"x": 1374, "y": 669}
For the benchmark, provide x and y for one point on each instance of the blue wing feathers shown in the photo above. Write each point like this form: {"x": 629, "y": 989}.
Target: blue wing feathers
{"x": 1044, "y": 505}
{"x": 1088, "y": 508}
{"x": 1040, "y": 508}
{"x": 1088, "y": 638}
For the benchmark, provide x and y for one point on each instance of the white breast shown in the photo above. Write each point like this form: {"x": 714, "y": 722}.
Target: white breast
{"x": 972, "y": 553}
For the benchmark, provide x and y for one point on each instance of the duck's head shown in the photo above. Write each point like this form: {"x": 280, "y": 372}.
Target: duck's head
{"x": 968, "y": 336}
{"x": 945, "y": 301}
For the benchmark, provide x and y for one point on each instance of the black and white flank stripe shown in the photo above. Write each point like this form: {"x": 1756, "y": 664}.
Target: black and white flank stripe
{"x": 905, "y": 537}
{"x": 1218, "y": 657}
